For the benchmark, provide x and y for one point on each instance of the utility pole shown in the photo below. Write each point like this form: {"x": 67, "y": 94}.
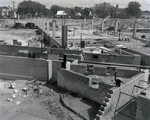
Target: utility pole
{"x": 14, "y": 11}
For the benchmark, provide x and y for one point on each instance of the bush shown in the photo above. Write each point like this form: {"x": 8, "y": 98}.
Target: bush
{"x": 143, "y": 36}
{"x": 30, "y": 25}
{"x": 18, "y": 25}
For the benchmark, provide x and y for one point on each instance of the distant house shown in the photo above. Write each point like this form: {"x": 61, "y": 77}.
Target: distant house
{"x": 78, "y": 15}
{"x": 59, "y": 14}
{"x": 145, "y": 14}
{"x": 6, "y": 12}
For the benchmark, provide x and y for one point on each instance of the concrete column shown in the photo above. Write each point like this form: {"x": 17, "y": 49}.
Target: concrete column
{"x": 84, "y": 22}
{"x": 102, "y": 25}
{"x": 64, "y": 61}
{"x": 38, "y": 22}
{"x": 54, "y": 29}
{"x": 116, "y": 26}
{"x": 134, "y": 30}
{"x": 64, "y": 36}
{"x": 43, "y": 24}
{"x": 48, "y": 26}
{"x": 92, "y": 23}
{"x": 74, "y": 31}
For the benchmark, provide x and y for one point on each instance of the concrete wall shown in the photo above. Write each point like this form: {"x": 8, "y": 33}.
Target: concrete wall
{"x": 143, "y": 108}
{"x": 49, "y": 40}
{"x": 103, "y": 70}
{"x": 49, "y": 64}
{"x": 145, "y": 59}
{"x": 28, "y": 67}
{"x": 122, "y": 52}
{"x": 123, "y": 59}
{"x": 14, "y": 49}
{"x": 56, "y": 65}
{"x": 75, "y": 62}
{"x": 53, "y": 57}
{"x": 62, "y": 51}
{"x": 109, "y": 105}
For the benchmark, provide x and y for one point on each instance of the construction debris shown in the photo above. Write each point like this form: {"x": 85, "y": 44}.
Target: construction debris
{"x": 9, "y": 99}
{"x": 13, "y": 96}
{"x": 11, "y": 86}
{"x": 18, "y": 102}
{"x": 16, "y": 91}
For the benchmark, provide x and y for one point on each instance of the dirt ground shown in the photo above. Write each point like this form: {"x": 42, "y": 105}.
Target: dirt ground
{"x": 24, "y": 35}
{"x": 41, "y": 104}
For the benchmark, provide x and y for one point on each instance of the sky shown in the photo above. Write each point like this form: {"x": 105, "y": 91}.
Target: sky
{"x": 145, "y": 4}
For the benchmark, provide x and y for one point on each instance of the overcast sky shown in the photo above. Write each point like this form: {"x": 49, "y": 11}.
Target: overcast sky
{"x": 145, "y": 4}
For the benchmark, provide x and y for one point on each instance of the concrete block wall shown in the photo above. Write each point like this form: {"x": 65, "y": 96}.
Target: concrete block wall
{"x": 80, "y": 84}
{"x": 103, "y": 70}
{"x": 143, "y": 107}
{"x": 28, "y": 67}
{"x": 109, "y": 104}
{"x": 123, "y": 59}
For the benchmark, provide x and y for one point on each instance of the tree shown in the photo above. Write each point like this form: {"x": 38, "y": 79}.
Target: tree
{"x": 133, "y": 9}
{"x": 54, "y": 9}
{"x": 77, "y": 9}
{"x": 31, "y": 8}
{"x": 105, "y": 9}
{"x": 86, "y": 12}
{"x": 71, "y": 13}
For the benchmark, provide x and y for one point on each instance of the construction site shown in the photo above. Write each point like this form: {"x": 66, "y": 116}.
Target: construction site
{"x": 75, "y": 69}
